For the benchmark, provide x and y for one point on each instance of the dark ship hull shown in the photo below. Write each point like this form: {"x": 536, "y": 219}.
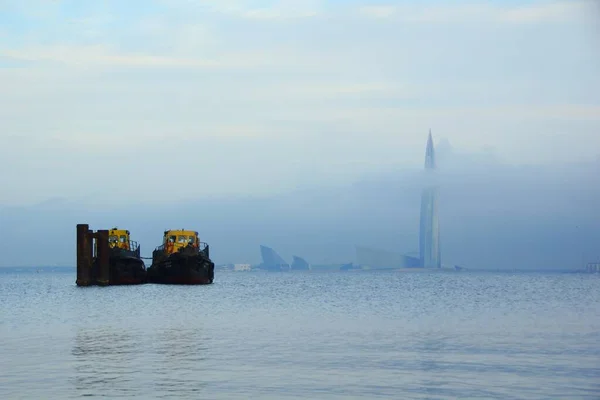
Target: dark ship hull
{"x": 125, "y": 267}
{"x": 189, "y": 266}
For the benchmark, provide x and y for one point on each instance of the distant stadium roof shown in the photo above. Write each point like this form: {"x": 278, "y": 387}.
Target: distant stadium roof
{"x": 300, "y": 263}
{"x": 272, "y": 260}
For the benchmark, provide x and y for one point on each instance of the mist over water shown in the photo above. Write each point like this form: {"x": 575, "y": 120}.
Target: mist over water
{"x": 304, "y": 335}
{"x": 492, "y": 216}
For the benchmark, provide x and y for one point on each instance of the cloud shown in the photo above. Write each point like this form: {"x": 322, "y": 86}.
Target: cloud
{"x": 418, "y": 12}
{"x": 100, "y": 56}
{"x": 279, "y": 10}
{"x": 547, "y": 12}
{"x": 460, "y": 12}
{"x": 105, "y": 56}
{"x": 295, "y": 93}
{"x": 378, "y": 11}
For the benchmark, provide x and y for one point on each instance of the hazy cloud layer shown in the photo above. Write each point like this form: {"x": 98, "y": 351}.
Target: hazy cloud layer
{"x": 492, "y": 216}
{"x": 111, "y": 98}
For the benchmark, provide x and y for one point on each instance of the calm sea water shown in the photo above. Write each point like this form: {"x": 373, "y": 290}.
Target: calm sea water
{"x": 330, "y": 335}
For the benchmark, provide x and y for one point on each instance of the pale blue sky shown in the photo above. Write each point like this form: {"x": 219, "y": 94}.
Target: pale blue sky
{"x": 105, "y": 97}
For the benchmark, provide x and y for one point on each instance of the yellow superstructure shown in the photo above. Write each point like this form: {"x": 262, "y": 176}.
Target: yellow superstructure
{"x": 176, "y": 239}
{"x": 119, "y": 238}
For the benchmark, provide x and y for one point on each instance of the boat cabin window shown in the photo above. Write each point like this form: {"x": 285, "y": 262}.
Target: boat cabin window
{"x": 182, "y": 239}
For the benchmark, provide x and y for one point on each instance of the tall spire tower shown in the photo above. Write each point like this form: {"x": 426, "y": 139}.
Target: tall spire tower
{"x": 429, "y": 240}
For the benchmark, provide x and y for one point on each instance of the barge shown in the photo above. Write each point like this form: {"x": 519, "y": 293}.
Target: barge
{"x": 181, "y": 259}
{"x": 126, "y": 266}
{"x": 108, "y": 257}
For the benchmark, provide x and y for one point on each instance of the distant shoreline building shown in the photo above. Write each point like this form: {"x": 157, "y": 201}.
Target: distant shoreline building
{"x": 299, "y": 264}
{"x": 370, "y": 258}
{"x": 242, "y": 267}
{"x": 272, "y": 261}
{"x": 429, "y": 235}
{"x": 429, "y": 229}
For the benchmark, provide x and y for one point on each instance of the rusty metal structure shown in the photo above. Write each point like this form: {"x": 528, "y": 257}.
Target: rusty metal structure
{"x": 92, "y": 269}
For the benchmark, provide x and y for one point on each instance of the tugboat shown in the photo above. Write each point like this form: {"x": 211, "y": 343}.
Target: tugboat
{"x": 125, "y": 263}
{"x": 181, "y": 259}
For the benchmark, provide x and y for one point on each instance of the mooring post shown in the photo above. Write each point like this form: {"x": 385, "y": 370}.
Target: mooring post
{"x": 84, "y": 263}
{"x": 102, "y": 257}
{"x": 89, "y": 255}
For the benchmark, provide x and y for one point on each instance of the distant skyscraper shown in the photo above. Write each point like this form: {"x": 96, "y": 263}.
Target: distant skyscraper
{"x": 429, "y": 240}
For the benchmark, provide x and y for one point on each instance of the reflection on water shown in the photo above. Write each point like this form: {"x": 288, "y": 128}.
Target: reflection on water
{"x": 180, "y": 358}
{"x": 106, "y": 361}
{"x": 180, "y": 346}
{"x": 114, "y": 363}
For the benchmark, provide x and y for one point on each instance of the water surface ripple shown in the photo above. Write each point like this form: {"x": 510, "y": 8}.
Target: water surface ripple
{"x": 303, "y": 335}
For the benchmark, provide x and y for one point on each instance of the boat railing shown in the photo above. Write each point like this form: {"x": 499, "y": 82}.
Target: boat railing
{"x": 205, "y": 249}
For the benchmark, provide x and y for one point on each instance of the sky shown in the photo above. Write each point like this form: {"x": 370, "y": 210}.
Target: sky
{"x": 102, "y": 98}
{"x": 302, "y": 125}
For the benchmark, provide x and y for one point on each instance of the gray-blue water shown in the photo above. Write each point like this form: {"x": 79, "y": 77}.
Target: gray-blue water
{"x": 393, "y": 335}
